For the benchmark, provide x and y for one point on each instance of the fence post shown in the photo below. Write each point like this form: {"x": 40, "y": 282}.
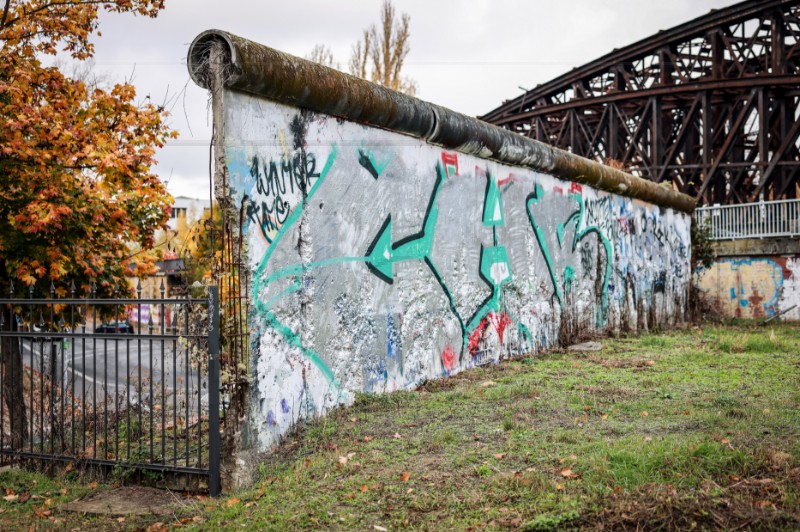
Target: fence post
{"x": 214, "y": 487}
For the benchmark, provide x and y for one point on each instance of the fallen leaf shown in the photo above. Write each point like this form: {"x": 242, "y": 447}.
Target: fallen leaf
{"x": 120, "y": 519}
{"x": 380, "y": 528}
{"x": 93, "y": 485}
{"x": 344, "y": 459}
{"x": 308, "y": 462}
{"x": 409, "y": 490}
{"x": 156, "y": 527}
{"x": 11, "y": 498}
{"x": 604, "y": 416}
{"x": 233, "y": 501}
{"x": 486, "y": 384}
{"x": 645, "y": 413}
{"x": 500, "y": 456}
{"x": 648, "y": 438}
{"x": 405, "y": 476}
{"x": 397, "y": 436}
{"x": 559, "y": 486}
{"x": 568, "y": 473}
{"x": 24, "y": 497}
{"x": 650, "y": 363}
{"x": 352, "y": 419}
{"x": 367, "y": 438}
{"x": 351, "y": 495}
{"x": 364, "y": 488}
{"x": 63, "y": 491}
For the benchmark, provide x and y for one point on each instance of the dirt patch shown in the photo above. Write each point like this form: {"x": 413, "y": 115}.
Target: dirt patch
{"x": 754, "y": 503}
{"x": 617, "y": 364}
{"x": 130, "y": 500}
{"x": 441, "y": 385}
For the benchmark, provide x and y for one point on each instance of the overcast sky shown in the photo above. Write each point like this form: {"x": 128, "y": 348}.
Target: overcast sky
{"x": 468, "y": 55}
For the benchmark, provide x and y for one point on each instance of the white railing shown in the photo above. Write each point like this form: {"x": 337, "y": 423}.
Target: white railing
{"x": 765, "y": 219}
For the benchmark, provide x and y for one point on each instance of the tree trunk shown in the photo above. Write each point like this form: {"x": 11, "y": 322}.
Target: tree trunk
{"x": 13, "y": 408}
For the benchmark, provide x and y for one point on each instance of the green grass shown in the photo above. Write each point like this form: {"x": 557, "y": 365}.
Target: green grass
{"x": 696, "y": 428}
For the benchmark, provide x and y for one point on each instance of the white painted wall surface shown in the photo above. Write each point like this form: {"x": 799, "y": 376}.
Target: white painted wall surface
{"x": 380, "y": 261}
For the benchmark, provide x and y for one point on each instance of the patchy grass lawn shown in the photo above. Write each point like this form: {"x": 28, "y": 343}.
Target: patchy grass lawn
{"x": 696, "y": 428}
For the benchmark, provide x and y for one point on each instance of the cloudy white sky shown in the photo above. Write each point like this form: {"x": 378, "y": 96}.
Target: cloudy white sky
{"x": 468, "y": 55}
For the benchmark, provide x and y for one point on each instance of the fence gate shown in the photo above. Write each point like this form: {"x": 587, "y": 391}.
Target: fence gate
{"x": 113, "y": 382}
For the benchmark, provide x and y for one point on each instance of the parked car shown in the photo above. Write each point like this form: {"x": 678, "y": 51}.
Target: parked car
{"x": 115, "y": 327}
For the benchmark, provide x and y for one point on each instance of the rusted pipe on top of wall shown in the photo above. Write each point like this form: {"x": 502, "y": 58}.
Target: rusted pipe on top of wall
{"x": 262, "y": 71}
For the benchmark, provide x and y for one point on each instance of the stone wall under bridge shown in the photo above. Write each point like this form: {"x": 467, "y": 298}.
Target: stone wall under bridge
{"x": 386, "y": 251}
{"x": 755, "y": 279}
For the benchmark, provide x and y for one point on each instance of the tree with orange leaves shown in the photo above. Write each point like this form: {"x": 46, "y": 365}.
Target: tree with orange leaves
{"x": 75, "y": 181}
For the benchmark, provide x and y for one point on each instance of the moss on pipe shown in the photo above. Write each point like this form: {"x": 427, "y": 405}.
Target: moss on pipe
{"x": 265, "y": 72}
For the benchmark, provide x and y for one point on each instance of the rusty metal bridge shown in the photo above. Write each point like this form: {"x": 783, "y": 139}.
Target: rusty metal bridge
{"x": 712, "y": 106}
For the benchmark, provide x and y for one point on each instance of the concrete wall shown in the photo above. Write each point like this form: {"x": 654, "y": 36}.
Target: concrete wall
{"x": 379, "y": 261}
{"x": 755, "y": 287}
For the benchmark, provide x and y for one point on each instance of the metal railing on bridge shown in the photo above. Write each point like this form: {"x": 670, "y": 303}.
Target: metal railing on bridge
{"x": 765, "y": 219}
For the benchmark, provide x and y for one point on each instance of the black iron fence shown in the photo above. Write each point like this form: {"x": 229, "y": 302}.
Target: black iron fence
{"x": 121, "y": 382}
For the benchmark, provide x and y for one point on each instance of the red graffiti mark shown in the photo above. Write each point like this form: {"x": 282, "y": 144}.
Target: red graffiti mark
{"x": 575, "y": 188}
{"x": 755, "y": 304}
{"x": 479, "y": 172}
{"x": 450, "y": 163}
{"x": 449, "y": 358}
{"x": 511, "y": 178}
{"x": 500, "y": 322}
{"x": 558, "y": 190}
{"x": 476, "y": 336}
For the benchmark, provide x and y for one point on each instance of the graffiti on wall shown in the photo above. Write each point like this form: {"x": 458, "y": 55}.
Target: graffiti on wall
{"x": 750, "y": 287}
{"x": 380, "y": 261}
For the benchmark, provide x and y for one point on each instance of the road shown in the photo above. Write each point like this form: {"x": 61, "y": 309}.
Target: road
{"x": 101, "y": 369}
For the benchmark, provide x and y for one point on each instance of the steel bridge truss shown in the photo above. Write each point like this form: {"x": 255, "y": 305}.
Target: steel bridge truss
{"x": 712, "y": 106}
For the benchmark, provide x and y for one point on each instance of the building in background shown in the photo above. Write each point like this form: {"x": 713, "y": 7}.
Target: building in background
{"x": 190, "y": 208}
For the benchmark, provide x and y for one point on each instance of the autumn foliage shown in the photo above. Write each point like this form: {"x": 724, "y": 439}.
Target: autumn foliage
{"x": 76, "y": 188}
